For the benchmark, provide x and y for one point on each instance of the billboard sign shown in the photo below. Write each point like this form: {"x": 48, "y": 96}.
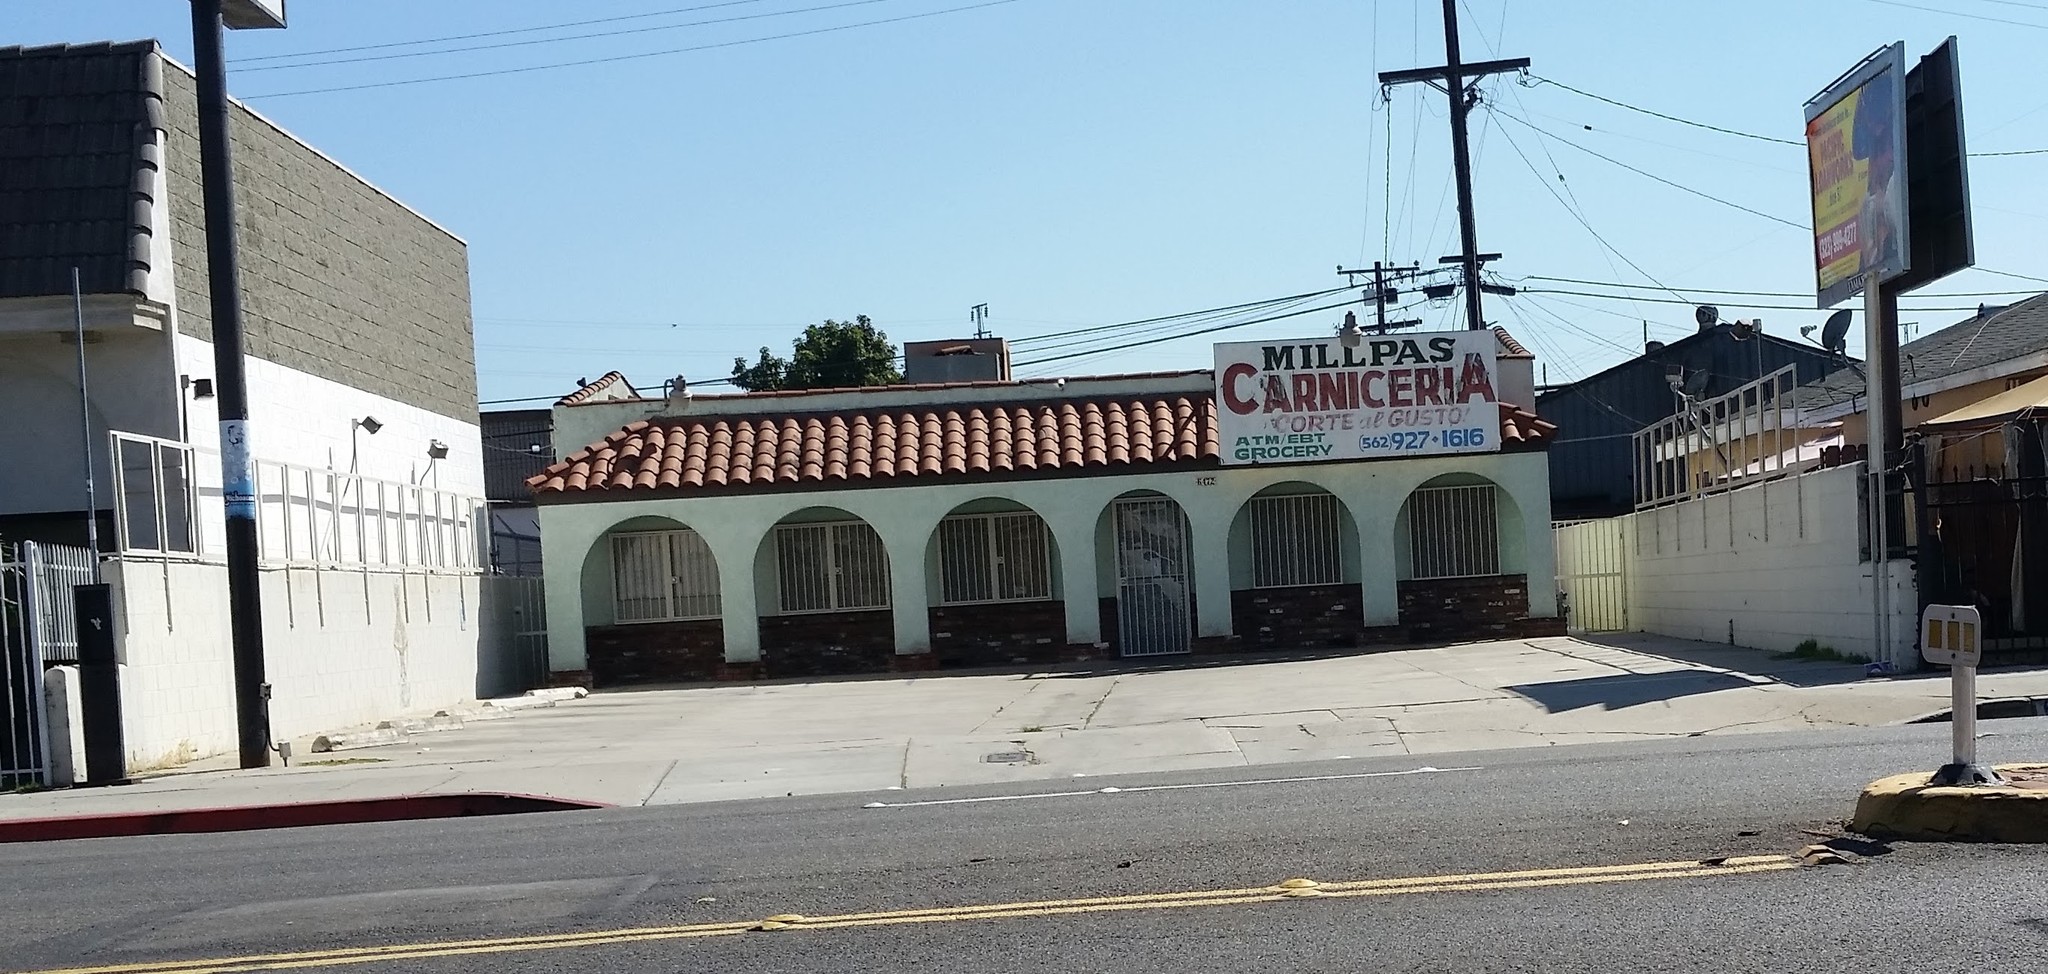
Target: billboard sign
{"x": 1856, "y": 159}
{"x": 1316, "y": 399}
{"x": 1937, "y": 170}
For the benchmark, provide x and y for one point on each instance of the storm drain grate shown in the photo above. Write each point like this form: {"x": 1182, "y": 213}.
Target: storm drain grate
{"x": 1007, "y": 757}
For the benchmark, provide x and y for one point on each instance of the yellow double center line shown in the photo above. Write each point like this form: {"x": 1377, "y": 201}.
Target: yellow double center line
{"x": 1523, "y": 879}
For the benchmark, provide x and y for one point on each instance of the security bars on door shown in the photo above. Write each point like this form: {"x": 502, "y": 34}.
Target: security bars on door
{"x": 831, "y": 567}
{"x": 167, "y": 503}
{"x": 663, "y": 576}
{"x": 1453, "y": 532}
{"x": 1297, "y": 539}
{"x": 994, "y": 558}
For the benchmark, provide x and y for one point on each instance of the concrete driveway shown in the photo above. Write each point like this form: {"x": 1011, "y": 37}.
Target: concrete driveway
{"x": 747, "y": 741}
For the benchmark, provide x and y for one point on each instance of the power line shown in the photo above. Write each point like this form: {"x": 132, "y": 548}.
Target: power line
{"x": 1191, "y": 334}
{"x": 1958, "y": 13}
{"x": 1657, "y": 114}
{"x": 1175, "y": 324}
{"x": 557, "y": 40}
{"x": 503, "y": 402}
{"x": 1576, "y": 215}
{"x": 640, "y": 56}
{"x": 1757, "y": 294}
{"x": 1575, "y": 326}
{"x": 1761, "y": 307}
{"x": 1325, "y": 292}
{"x": 1540, "y": 81}
{"x": 2017, "y": 277}
{"x": 495, "y": 33}
{"x": 1647, "y": 175}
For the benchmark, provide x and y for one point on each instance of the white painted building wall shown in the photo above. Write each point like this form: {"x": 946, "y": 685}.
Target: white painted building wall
{"x": 735, "y": 526}
{"x": 300, "y": 418}
{"x": 342, "y": 648}
{"x": 131, "y": 385}
{"x": 1767, "y": 566}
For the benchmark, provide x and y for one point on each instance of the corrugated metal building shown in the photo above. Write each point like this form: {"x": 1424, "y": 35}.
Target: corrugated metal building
{"x": 1591, "y": 470}
{"x": 518, "y": 443}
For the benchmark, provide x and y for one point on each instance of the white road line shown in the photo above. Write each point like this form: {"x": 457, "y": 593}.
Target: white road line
{"x": 1185, "y": 787}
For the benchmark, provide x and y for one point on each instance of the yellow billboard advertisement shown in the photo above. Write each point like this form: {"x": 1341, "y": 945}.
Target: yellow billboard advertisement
{"x": 1856, "y": 156}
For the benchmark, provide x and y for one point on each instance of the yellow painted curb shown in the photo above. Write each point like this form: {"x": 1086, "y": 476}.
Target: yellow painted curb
{"x": 1905, "y": 806}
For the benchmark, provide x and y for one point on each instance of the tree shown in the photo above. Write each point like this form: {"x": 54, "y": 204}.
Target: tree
{"x": 833, "y": 355}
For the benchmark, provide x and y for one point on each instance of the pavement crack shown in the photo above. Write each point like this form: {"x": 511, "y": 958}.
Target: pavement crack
{"x": 1019, "y": 698}
{"x": 903, "y": 770}
{"x": 1092, "y": 711}
{"x": 656, "y": 790}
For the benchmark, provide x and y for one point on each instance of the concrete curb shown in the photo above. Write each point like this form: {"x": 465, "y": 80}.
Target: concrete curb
{"x": 513, "y": 704}
{"x": 559, "y": 693}
{"x": 351, "y": 740}
{"x": 423, "y": 725}
{"x": 1905, "y": 806}
{"x": 1999, "y": 709}
{"x": 246, "y": 818}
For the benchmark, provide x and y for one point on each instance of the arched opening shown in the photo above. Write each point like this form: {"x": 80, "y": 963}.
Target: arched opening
{"x": 651, "y": 604}
{"x": 994, "y": 590}
{"x": 1145, "y": 560}
{"x": 1294, "y": 569}
{"x": 1460, "y": 557}
{"x": 822, "y": 585}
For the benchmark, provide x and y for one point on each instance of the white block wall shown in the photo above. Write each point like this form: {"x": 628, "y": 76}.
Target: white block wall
{"x": 1767, "y": 566}
{"x": 342, "y": 648}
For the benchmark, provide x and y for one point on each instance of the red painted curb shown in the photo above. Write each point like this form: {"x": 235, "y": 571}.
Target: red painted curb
{"x": 245, "y": 818}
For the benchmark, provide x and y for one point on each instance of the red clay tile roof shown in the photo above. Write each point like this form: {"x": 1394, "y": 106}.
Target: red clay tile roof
{"x": 1510, "y": 347}
{"x": 939, "y": 440}
{"x": 584, "y": 394}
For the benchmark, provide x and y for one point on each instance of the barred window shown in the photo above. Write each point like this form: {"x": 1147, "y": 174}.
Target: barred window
{"x": 1297, "y": 539}
{"x": 994, "y": 558}
{"x": 660, "y": 576}
{"x": 1453, "y": 532}
{"x": 828, "y": 567}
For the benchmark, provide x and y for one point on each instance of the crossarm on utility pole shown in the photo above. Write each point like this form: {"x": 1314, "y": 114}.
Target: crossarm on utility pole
{"x": 1454, "y": 74}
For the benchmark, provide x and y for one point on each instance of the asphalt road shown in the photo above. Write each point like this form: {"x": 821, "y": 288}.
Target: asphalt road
{"x": 672, "y": 888}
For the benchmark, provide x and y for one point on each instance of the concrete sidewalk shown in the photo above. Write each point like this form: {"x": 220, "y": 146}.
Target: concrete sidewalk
{"x": 728, "y": 742}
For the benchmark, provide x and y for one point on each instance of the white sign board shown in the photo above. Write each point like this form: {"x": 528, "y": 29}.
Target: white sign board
{"x": 1949, "y": 635}
{"x": 1316, "y": 399}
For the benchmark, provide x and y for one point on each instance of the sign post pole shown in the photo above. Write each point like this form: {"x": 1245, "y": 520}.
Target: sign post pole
{"x": 1949, "y": 636}
{"x": 1875, "y": 420}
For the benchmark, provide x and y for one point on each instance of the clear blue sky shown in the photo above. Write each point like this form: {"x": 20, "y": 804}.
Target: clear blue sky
{"x": 1080, "y": 162}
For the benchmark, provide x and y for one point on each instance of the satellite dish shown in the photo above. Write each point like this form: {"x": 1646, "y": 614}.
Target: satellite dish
{"x": 1834, "y": 335}
{"x": 1744, "y": 330}
{"x": 1696, "y": 382}
{"x": 1707, "y": 315}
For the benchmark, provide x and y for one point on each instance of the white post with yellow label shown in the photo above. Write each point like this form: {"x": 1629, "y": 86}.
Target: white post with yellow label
{"x": 1949, "y": 637}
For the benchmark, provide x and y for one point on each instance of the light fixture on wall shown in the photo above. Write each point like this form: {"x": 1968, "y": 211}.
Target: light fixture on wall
{"x": 1349, "y": 334}
{"x": 437, "y": 450}
{"x": 368, "y": 424}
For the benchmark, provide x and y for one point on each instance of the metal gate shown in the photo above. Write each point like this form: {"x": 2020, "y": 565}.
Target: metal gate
{"x": 514, "y": 635}
{"x": 1592, "y": 574}
{"x": 36, "y": 629}
{"x": 1153, "y": 597}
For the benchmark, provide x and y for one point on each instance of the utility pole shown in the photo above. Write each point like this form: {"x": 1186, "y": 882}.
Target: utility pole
{"x": 978, "y": 316}
{"x": 1453, "y": 78}
{"x": 223, "y": 278}
{"x": 1382, "y": 293}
